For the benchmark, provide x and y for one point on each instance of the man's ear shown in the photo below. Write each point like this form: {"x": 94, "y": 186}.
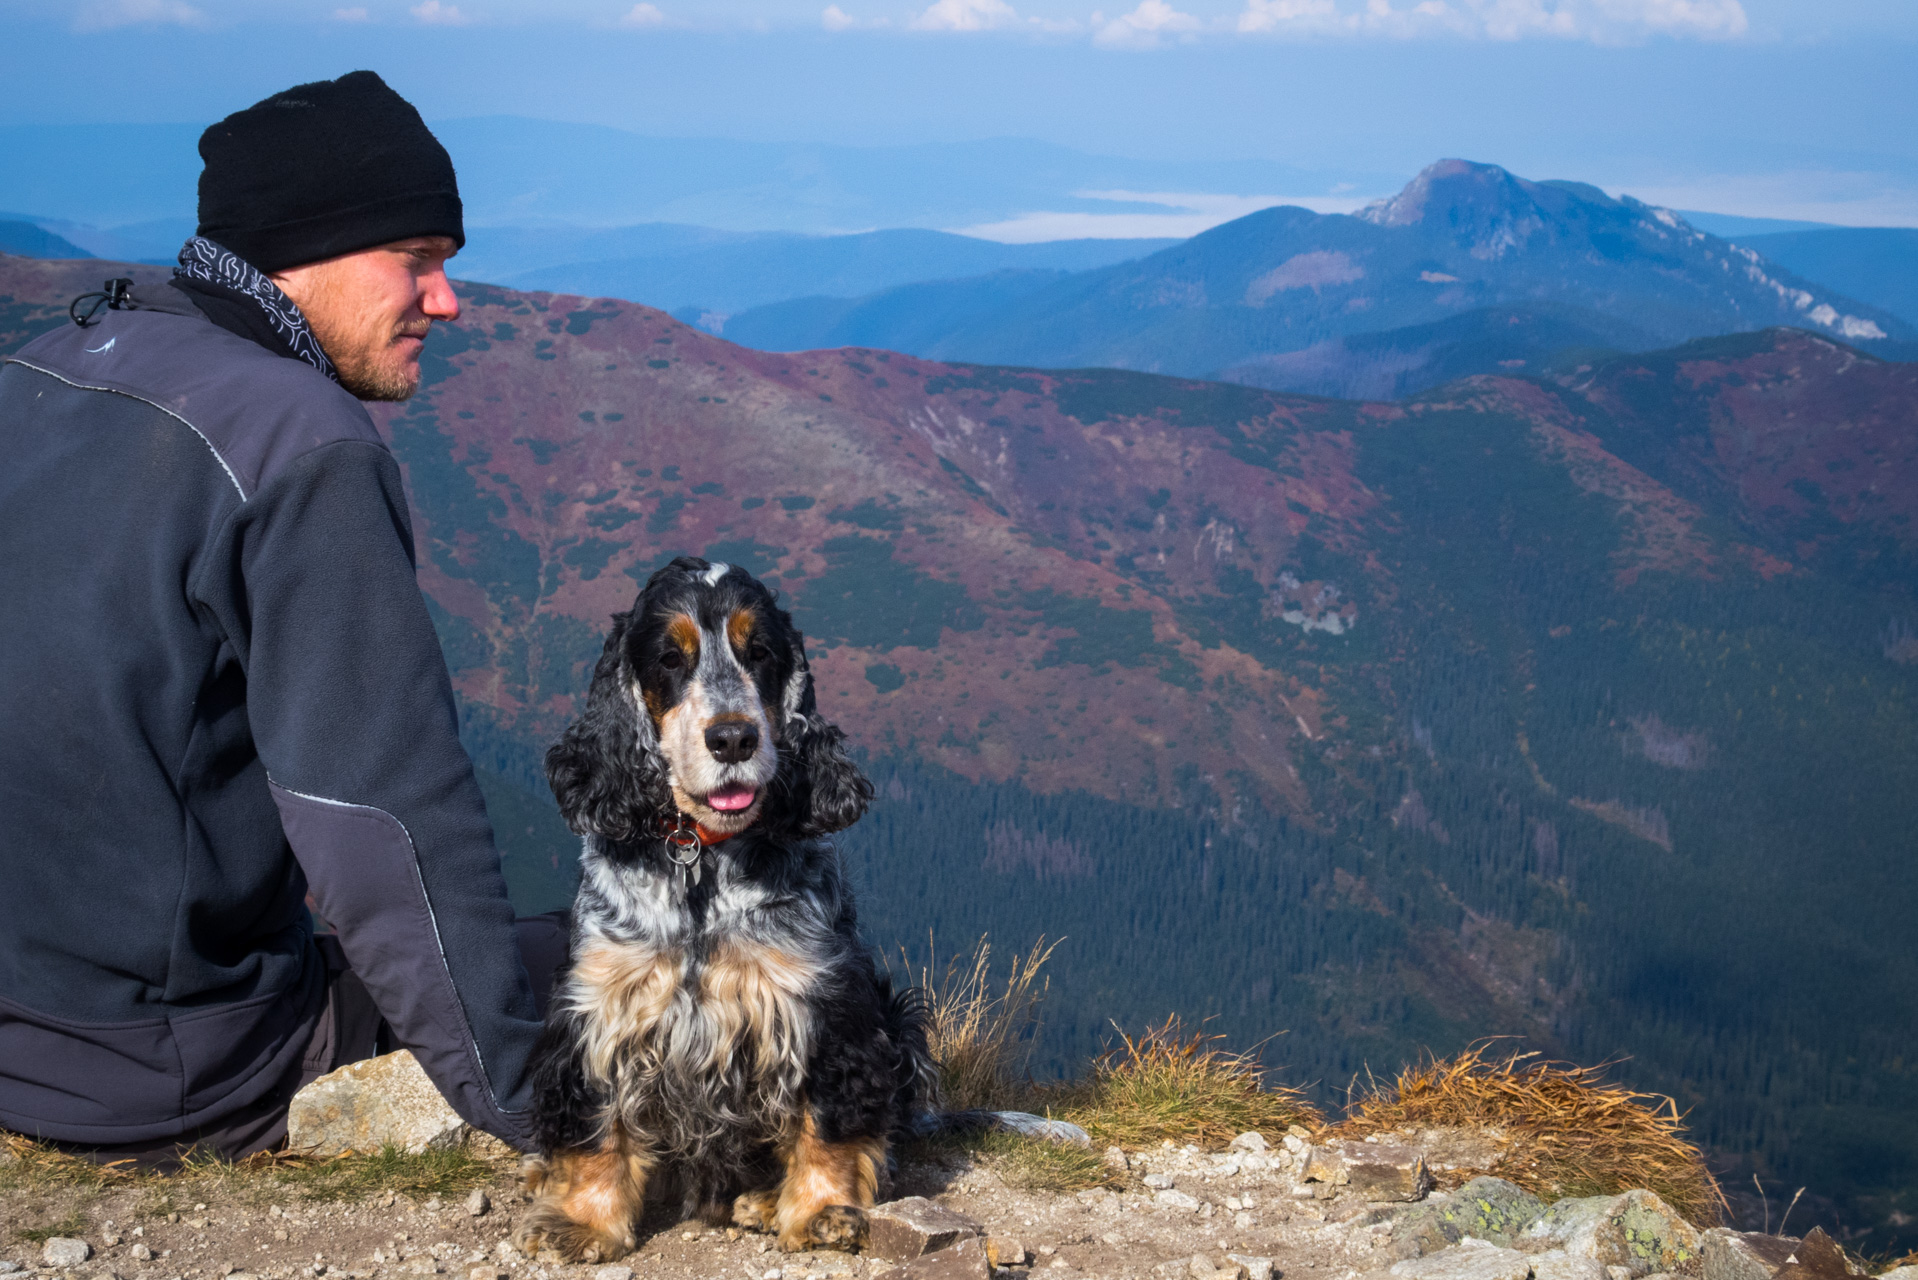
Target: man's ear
{"x": 822, "y": 789}
{"x": 605, "y": 770}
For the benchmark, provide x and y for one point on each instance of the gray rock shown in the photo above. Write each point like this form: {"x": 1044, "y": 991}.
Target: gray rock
{"x": 1819, "y": 1257}
{"x": 1159, "y": 1181}
{"x": 478, "y": 1203}
{"x": 1490, "y": 1209}
{"x": 365, "y": 1106}
{"x": 965, "y": 1260}
{"x": 613, "y": 1273}
{"x": 1251, "y": 1140}
{"x": 1027, "y": 1125}
{"x": 902, "y": 1230}
{"x": 8, "y": 1266}
{"x": 1563, "y": 1266}
{"x": 1200, "y": 1267}
{"x": 64, "y": 1251}
{"x": 1170, "y": 1199}
{"x": 1473, "y": 1260}
{"x": 1744, "y": 1255}
{"x": 140, "y": 1253}
{"x": 1006, "y": 1251}
{"x": 1900, "y": 1273}
{"x": 1635, "y": 1230}
{"x": 1256, "y": 1267}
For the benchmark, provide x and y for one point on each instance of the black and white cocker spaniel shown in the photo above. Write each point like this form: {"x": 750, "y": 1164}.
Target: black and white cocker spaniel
{"x": 721, "y": 1033}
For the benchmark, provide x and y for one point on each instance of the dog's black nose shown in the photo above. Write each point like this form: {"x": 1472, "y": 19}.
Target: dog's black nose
{"x": 732, "y": 742}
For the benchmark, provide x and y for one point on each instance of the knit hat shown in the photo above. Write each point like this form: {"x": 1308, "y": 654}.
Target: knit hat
{"x": 324, "y": 169}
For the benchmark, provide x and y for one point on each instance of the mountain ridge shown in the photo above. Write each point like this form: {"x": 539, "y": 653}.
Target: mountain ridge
{"x": 1580, "y": 708}
{"x": 1460, "y": 238}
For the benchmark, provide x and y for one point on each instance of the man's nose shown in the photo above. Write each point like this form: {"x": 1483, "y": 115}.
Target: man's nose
{"x": 437, "y": 298}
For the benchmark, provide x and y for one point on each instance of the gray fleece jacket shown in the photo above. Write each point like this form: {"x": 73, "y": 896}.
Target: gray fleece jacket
{"x": 219, "y": 688}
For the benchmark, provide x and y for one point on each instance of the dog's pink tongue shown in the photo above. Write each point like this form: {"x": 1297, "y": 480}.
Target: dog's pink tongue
{"x": 731, "y": 799}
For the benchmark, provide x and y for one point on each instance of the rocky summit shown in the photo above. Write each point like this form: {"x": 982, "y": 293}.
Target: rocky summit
{"x": 1469, "y": 269}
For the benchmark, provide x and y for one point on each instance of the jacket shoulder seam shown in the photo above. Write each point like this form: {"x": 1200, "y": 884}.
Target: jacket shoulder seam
{"x": 139, "y": 399}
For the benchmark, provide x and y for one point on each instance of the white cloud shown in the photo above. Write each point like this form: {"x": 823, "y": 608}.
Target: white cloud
{"x": 351, "y": 15}
{"x": 966, "y": 15}
{"x": 1188, "y": 214}
{"x": 107, "y": 14}
{"x": 643, "y": 15}
{"x": 1601, "y": 21}
{"x": 435, "y": 14}
{"x": 1145, "y": 26}
{"x": 836, "y": 19}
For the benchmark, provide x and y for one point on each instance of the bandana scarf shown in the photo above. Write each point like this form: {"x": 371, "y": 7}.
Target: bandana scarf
{"x": 201, "y": 259}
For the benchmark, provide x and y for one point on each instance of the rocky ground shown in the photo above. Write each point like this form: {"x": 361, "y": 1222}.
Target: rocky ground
{"x": 1255, "y": 1211}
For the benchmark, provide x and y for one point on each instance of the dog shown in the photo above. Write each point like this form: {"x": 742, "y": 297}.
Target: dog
{"x": 720, "y": 1031}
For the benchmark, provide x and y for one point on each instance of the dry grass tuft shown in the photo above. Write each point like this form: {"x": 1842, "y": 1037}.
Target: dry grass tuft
{"x": 27, "y": 1165}
{"x": 1171, "y": 1084}
{"x": 32, "y": 1166}
{"x": 1033, "y": 1164}
{"x": 981, "y": 1033}
{"x": 1569, "y": 1134}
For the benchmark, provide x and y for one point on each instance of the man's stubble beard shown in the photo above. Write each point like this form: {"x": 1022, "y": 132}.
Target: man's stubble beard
{"x": 361, "y": 348}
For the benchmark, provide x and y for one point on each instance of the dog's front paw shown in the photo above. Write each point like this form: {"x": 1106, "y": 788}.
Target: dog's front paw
{"x": 838, "y": 1226}
{"x": 756, "y": 1210}
{"x": 547, "y": 1228}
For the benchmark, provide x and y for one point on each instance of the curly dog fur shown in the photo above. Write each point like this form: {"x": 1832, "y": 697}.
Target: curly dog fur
{"x": 720, "y": 1033}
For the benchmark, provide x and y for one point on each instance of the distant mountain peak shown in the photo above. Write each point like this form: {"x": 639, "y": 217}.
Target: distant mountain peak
{"x": 1489, "y": 210}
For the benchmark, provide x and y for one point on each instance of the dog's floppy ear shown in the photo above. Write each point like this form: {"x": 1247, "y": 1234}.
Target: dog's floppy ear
{"x": 822, "y": 789}
{"x": 605, "y": 770}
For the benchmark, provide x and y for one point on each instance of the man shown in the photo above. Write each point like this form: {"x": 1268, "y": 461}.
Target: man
{"x": 219, "y": 687}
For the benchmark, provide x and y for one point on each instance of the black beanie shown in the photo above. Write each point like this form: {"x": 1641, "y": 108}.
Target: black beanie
{"x": 324, "y": 169}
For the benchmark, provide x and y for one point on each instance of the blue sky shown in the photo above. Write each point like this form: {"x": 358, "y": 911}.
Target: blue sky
{"x": 1765, "y": 107}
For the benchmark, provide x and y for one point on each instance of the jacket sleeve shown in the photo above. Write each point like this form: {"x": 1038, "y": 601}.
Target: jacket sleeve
{"x": 352, "y": 713}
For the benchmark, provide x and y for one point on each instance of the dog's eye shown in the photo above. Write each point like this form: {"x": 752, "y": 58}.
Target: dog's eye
{"x": 758, "y": 652}
{"x": 672, "y": 659}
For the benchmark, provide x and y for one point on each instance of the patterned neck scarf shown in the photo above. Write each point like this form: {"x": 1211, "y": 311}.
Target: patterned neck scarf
{"x": 202, "y": 259}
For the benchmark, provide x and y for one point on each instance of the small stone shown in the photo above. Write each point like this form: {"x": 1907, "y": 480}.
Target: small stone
{"x": 1563, "y": 1266}
{"x": 1200, "y": 1267}
{"x": 1169, "y": 1199}
{"x": 486, "y": 1273}
{"x": 1005, "y": 1251}
{"x": 1379, "y": 1171}
{"x": 367, "y": 1105}
{"x": 1047, "y": 1250}
{"x": 1481, "y": 1262}
{"x": 1619, "y": 1273}
{"x": 109, "y": 1240}
{"x": 64, "y": 1251}
{"x": 901, "y": 1230}
{"x": 1257, "y": 1267}
{"x": 1243, "y": 1221}
{"x": 613, "y": 1273}
{"x": 1744, "y": 1255}
{"x": 8, "y": 1266}
{"x": 140, "y": 1253}
{"x": 1115, "y": 1158}
{"x": 1158, "y": 1181}
{"x": 1901, "y": 1273}
{"x": 478, "y": 1203}
{"x": 1250, "y": 1140}
{"x": 965, "y": 1260}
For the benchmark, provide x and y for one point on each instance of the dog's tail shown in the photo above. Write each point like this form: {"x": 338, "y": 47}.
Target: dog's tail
{"x": 908, "y": 1019}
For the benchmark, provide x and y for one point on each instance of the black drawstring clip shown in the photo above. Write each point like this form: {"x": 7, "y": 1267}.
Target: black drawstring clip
{"x": 114, "y": 298}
